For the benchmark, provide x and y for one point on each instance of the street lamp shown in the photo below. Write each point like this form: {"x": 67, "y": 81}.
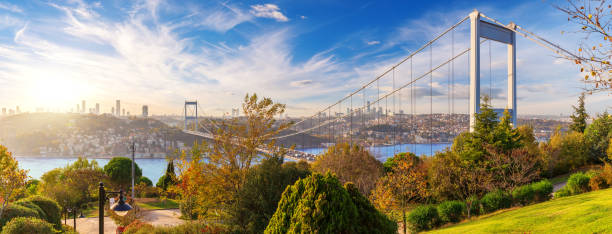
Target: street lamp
{"x": 121, "y": 208}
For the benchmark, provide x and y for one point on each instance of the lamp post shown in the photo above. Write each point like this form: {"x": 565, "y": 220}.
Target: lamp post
{"x": 121, "y": 208}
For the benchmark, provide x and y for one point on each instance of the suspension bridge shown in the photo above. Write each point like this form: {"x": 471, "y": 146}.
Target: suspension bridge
{"x": 422, "y": 99}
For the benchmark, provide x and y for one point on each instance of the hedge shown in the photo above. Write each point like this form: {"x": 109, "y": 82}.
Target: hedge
{"x": 542, "y": 189}
{"x": 13, "y": 211}
{"x": 578, "y": 183}
{"x": 424, "y": 217}
{"x": 50, "y": 207}
{"x": 34, "y": 207}
{"x": 28, "y": 225}
{"x": 523, "y": 195}
{"x": 451, "y": 211}
{"x": 495, "y": 200}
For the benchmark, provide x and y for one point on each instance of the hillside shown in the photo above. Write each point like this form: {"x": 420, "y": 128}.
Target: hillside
{"x": 584, "y": 213}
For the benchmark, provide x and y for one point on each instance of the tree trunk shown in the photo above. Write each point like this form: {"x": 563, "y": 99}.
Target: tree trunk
{"x": 469, "y": 208}
{"x": 404, "y": 219}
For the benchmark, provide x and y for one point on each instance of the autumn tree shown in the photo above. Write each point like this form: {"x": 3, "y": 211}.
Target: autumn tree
{"x": 593, "y": 20}
{"x": 351, "y": 163}
{"x": 213, "y": 183}
{"x": 405, "y": 184}
{"x": 12, "y": 178}
{"x": 579, "y": 117}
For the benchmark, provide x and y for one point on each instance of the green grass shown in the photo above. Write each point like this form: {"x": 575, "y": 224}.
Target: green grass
{"x": 159, "y": 205}
{"x": 584, "y": 213}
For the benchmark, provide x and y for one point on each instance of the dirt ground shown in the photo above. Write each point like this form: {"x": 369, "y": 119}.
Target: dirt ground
{"x": 155, "y": 217}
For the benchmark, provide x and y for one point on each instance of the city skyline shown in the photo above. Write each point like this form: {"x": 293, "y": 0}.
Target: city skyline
{"x": 220, "y": 51}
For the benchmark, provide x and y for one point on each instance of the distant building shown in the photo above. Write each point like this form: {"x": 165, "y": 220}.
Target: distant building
{"x": 113, "y": 110}
{"x": 97, "y": 108}
{"x": 78, "y": 108}
{"x": 3, "y": 110}
{"x": 145, "y": 111}
{"x": 118, "y": 107}
{"x": 83, "y": 107}
{"x": 368, "y": 106}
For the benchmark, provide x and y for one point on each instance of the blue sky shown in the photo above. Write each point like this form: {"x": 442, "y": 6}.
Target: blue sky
{"x": 306, "y": 54}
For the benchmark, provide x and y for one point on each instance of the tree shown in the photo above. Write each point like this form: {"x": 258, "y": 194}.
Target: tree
{"x": 593, "y": 55}
{"x": 452, "y": 177}
{"x": 404, "y": 185}
{"x": 12, "y": 178}
{"x": 259, "y": 195}
{"x": 119, "y": 170}
{"x": 517, "y": 168}
{"x": 169, "y": 178}
{"x": 565, "y": 152}
{"x": 320, "y": 204}
{"x": 579, "y": 116}
{"x": 351, "y": 163}
{"x": 75, "y": 185}
{"x": 597, "y": 136}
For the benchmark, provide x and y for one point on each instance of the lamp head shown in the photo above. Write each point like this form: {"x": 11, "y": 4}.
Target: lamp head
{"x": 121, "y": 208}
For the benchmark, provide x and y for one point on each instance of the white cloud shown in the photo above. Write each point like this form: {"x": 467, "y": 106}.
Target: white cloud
{"x": 303, "y": 17}
{"x": 373, "y": 42}
{"x": 271, "y": 11}
{"x": 10, "y": 7}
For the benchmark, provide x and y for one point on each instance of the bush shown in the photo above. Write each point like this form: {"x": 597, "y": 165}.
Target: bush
{"x": 495, "y": 200}
{"x": 542, "y": 190}
{"x": 321, "y": 204}
{"x": 28, "y": 225}
{"x": 578, "y": 183}
{"x": 13, "y": 211}
{"x": 523, "y": 195}
{"x": 563, "y": 192}
{"x": 138, "y": 227}
{"x": 424, "y": 217}
{"x": 598, "y": 182}
{"x": 50, "y": 207}
{"x": 34, "y": 207}
{"x": 606, "y": 173}
{"x": 451, "y": 211}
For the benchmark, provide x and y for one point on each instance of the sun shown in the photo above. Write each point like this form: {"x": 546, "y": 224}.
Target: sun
{"x": 54, "y": 92}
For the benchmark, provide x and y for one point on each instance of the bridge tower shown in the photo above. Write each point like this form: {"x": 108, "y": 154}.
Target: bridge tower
{"x": 191, "y": 115}
{"x": 506, "y": 35}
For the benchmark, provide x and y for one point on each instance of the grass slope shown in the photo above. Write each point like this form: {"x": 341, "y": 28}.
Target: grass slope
{"x": 584, "y": 213}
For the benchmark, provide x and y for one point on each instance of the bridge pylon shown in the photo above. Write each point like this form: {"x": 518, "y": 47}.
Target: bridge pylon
{"x": 506, "y": 35}
{"x": 191, "y": 115}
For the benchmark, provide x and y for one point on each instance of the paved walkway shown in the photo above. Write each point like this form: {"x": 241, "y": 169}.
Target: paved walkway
{"x": 155, "y": 217}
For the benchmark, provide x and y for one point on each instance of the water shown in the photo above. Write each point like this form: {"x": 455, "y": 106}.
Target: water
{"x": 154, "y": 168}
{"x": 387, "y": 151}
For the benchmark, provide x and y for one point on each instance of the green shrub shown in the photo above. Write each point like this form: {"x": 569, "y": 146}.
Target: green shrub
{"x": 13, "y": 211}
{"x": 598, "y": 182}
{"x": 50, "y": 207}
{"x": 523, "y": 195}
{"x": 28, "y": 225}
{"x": 424, "y": 217}
{"x": 34, "y": 207}
{"x": 542, "y": 190}
{"x": 495, "y": 200}
{"x": 451, "y": 211}
{"x": 319, "y": 203}
{"x": 578, "y": 183}
{"x": 563, "y": 192}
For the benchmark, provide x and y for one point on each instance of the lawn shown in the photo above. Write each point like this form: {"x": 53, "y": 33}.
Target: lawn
{"x": 156, "y": 204}
{"x": 584, "y": 213}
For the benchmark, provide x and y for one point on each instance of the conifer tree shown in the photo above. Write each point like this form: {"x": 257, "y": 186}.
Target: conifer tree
{"x": 579, "y": 116}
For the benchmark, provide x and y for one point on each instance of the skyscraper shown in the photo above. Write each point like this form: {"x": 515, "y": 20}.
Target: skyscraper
{"x": 113, "y": 110}
{"x": 97, "y": 108}
{"x": 118, "y": 108}
{"x": 83, "y": 107}
{"x": 17, "y": 110}
{"x": 145, "y": 111}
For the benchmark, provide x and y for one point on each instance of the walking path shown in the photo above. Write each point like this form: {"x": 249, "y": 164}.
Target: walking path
{"x": 156, "y": 217}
